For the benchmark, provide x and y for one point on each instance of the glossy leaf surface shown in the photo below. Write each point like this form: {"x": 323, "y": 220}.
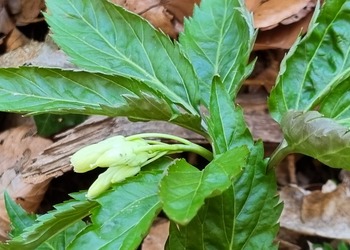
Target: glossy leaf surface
{"x": 126, "y": 212}
{"x": 35, "y": 90}
{"x": 243, "y": 217}
{"x": 62, "y": 240}
{"x": 184, "y": 188}
{"x": 49, "y": 225}
{"x": 317, "y": 65}
{"x": 322, "y": 138}
{"x": 19, "y": 218}
{"x": 226, "y": 124}
{"x": 102, "y": 37}
{"x": 246, "y": 215}
{"x": 336, "y": 104}
{"x": 218, "y": 39}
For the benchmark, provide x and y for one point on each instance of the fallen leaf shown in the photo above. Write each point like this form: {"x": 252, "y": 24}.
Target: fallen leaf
{"x": 26, "y": 11}
{"x": 269, "y": 14}
{"x": 166, "y": 15}
{"x": 18, "y": 146}
{"x": 318, "y": 213}
{"x": 180, "y": 8}
{"x": 156, "y": 238}
{"x": 251, "y": 5}
{"x": 283, "y": 36}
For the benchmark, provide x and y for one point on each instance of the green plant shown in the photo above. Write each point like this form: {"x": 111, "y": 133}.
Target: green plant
{"x": 132, "y": 70}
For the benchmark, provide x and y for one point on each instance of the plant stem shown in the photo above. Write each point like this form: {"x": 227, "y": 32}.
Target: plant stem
{"x": 173, "y": 148}
{"x": 159, "y": 135}
{"x": 279, "y": 154}
{"x": 177, "y": 148}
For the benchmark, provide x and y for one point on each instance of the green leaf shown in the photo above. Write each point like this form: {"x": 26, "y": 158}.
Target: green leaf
{"x": 336, "y": 104}
{"x": 37, "y": 90}
{"x": 62, "y": 240}
{"x": 126, "y": 212}
{"x": 184, "y": 189}
{"x": 218, "y": 39}
{"x": 316, "y": 65}
{"x": 226, "y": 124}
{"x": 321, "y": 138}
{"x": 102, "y": 37}
{"x": 19, "y": 218}
{"x": 51, "y": 224}
{"x": 50, "y": 124}
{"x": 244, "y": 217}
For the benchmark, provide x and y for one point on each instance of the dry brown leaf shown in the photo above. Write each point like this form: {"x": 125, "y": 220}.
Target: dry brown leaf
{"x": 252, "y": 4}
{"x": 180, "y": 8}
{"x": 165, "y": 15}
{"x": 156, "y": 238}
{"x": 160, "y": 18}
{"x": 140, "y": 7}
{"x": 283, "y": 36}
{"x": 269, "y": 14}
{"x": 14, "y": 40}
{"x": 6, "y": 24}
{"x": 18, "y": 146}
{"x": 26, "y": 11}
{"x": 318, "y": 213}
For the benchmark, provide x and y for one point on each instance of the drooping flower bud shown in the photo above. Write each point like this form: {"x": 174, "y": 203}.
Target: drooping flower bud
{"x": 124, "y": 152}
{"x": 85, "y": 159}
{"x": 111, "y": 175}
{"x": 124, "y": 157}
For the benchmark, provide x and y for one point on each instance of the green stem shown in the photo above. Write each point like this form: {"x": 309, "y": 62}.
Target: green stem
{"x": 159, "y": 135}
{"x": 279, "y": 154}
{"x": 178, "y": 148}
{"x": 186, "y": 145}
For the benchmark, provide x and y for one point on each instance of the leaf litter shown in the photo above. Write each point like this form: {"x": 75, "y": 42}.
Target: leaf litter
{"x": 321, "y": 213}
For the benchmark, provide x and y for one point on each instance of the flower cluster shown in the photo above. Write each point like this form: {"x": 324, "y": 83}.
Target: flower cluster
{"x": 125, "y": 156}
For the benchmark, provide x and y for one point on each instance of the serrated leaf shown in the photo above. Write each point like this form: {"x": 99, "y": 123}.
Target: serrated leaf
{"x": 322, "y": 138}
{"x": 37, "y": 90}
{"x": 51, "y": 224}
{"x": 226, "y": 124}
{"x": 102, "y": 37}
{"x": 243, "y": 217}
{"x": 50, "y": 124}
{"x": 19, "y": 218}
{"x": 126, "y": 212}
{"x": 218, "y": 39}
{"x": 317, "y": 64}
{"x": 63, "y": 239}
{"x": 184, "y": 189}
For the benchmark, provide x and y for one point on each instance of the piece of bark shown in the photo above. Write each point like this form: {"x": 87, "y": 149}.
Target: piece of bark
{"x": 54, "y": 160}
{"x": 18, "y": 146}
{"x": 41, "y": 54}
